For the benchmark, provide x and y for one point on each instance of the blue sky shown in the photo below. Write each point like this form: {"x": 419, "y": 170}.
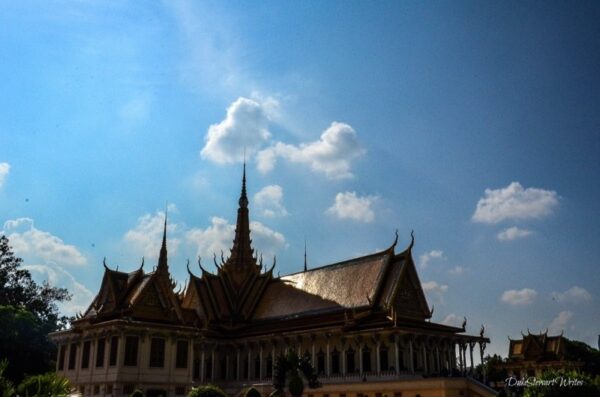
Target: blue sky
{"x": 475, "y": 124}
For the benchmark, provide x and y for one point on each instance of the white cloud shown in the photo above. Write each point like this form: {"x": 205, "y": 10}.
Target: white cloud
{"x": 32, "y": 243}
{"x": 245, "y": 127}
{"x": 514, "y": 202}
{"x": 453, "y": 320}
{"x": 4, "y": 170}
{"x": 559, "y": 322}
{"x": 59, "y": 277}
{"x": 269, "y": 201}
{"x": 574, "y": 294}
{"x": 136, "y": 109}
{"x": 515, "y": 297}
{"x": 457, "y": 270}
{"x": 219, "y": 237}
{"x": 428, "y": 256}
{"x": 432, "y": 286}
{"x": 332, "y": 154}
{"x": 348, "y": 205}
{"x": 146, "y": 236}
{"x": 513, "y": 233}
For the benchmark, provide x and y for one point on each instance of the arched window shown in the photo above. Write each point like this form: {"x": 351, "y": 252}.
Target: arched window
{"x": 223, "y": 368}
{"x": 366, "y": 359}
{"x": 269, "y": 366}
{"x": 350, "y": 363}
{"x": 320, "y": 362}
{"x": 384, "y": 363}
{"x": 335, "y": 361}
{"x": 257, "y": 367}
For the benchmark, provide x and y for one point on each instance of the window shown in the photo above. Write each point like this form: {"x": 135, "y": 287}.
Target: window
{"x": 61, "y": 357}
{"x": 180, "y": 391}
{"x": 72, "y": 355}
{"x": 131, "y": 351}
{"x": 208, "y": 367}
{"x": 182, "y": 354}
{"x": 100, "y": 352}
{"x": 320, "y": 362}
{"x": 109, "y": 389}
{"x": 96, "y": 389}
{"x": 335, "y": 361}
{"x": 350, "y": 364}
{"x": 269, "y": 366}
{"x": 257, "y": 367}
{"x": 128, "y": 389}
{"x": 85, "y": 356}
{"x": 157, "y": 352}
{"x": 114, "y": 346}
{"x": 383, "y": 358}
{"x": 366, "y": 359}
{"x": 223, "y": 368}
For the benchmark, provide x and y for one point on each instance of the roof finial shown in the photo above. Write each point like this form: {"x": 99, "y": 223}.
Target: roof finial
{"x": 305, "y": 265}
{"x": 162, "y": 259}
{"x": 412, "y": 240}
{"x": 243, "y": 197}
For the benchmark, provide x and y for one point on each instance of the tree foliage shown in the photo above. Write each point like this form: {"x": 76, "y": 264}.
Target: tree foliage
{"x": 291, "y": 369}
{"x": 207, "y": 391}
{"x": 28, "y": 312}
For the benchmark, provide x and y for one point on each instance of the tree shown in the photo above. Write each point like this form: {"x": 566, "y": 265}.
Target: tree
{"x": 294, "y": 368}
{"x": 46, "y": 385}
{"x": 28, "y": 312}
{"x": 207, "y": 391}
{"x": 7, "y": 389}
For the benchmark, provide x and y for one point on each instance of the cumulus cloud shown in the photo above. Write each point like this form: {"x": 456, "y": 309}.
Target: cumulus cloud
{"x": 513, "y": 233}
{"x": 521, "y": 297}
{"x": 453, "y": 320}
{"x": 146, "y": 236}
{"x": 4, "y": 170}
{"x": 269, "y": 201}
{"x": 245, "y": 127}
{"x": 348, "y": 205}
{"x": 332, "y": 154}
{"x": 30, "y": 242}
{"x": 456, "y": 270}
{"x": 432, "y": 286}
{"x": 514, "y": 202}
{"x": 59, "y": 277}
{"x": 428, "y": 256}
{"x": 219, "y": 236}
{"x": 574, "y": 294}
{"x": 559, "y": 322}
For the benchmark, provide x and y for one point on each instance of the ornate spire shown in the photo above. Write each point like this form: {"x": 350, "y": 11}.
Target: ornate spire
{"x": 241, "y": 259}
{"x": 305, "y": 265}
{"x": 162, "y": 259}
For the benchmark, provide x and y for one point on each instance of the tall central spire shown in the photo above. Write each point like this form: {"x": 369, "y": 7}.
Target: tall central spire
{"x": 241, "y": 260}
{"x": 162, "y": 258}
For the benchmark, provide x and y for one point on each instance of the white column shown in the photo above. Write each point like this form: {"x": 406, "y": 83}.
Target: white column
{"x": 213, "y": 369}
{"x": 261, "y": 362}
{"x": 378, "y": 357}
{"x": 397, "y": 358}
{"x": 344, "y": 359}
{"x": 328, "y": 361}
{"x": 202, "y": 369}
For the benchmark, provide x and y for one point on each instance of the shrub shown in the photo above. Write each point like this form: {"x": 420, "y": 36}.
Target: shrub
{"x": 137, "y": 393}
{"x": 207, "y": 391}
{"x": 46, "y": 385}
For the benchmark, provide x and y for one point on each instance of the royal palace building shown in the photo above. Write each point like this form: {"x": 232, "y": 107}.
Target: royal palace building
{"x": 364, "y": 323}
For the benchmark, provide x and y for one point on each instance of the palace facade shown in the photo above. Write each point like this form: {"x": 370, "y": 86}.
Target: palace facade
{"x": 364, "y": 322}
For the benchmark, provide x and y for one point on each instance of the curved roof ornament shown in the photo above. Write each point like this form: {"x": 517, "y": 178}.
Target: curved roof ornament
{"x": 187, "y": 265}
{"x": 142, "y": 265}
{"x": 395, "y": 241}
{"x": 482, "y": 330}
{"x": 431, "y": 311}
{"x": 464, "y": 324}
{"x": 202, "y": 269}
{"x": 104, "y": 263}
{"x": 274, "y": 263}
{"x": 412, "y": 240}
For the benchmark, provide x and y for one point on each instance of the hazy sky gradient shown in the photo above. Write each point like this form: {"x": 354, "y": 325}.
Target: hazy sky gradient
{"x": 475, "y": 124}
